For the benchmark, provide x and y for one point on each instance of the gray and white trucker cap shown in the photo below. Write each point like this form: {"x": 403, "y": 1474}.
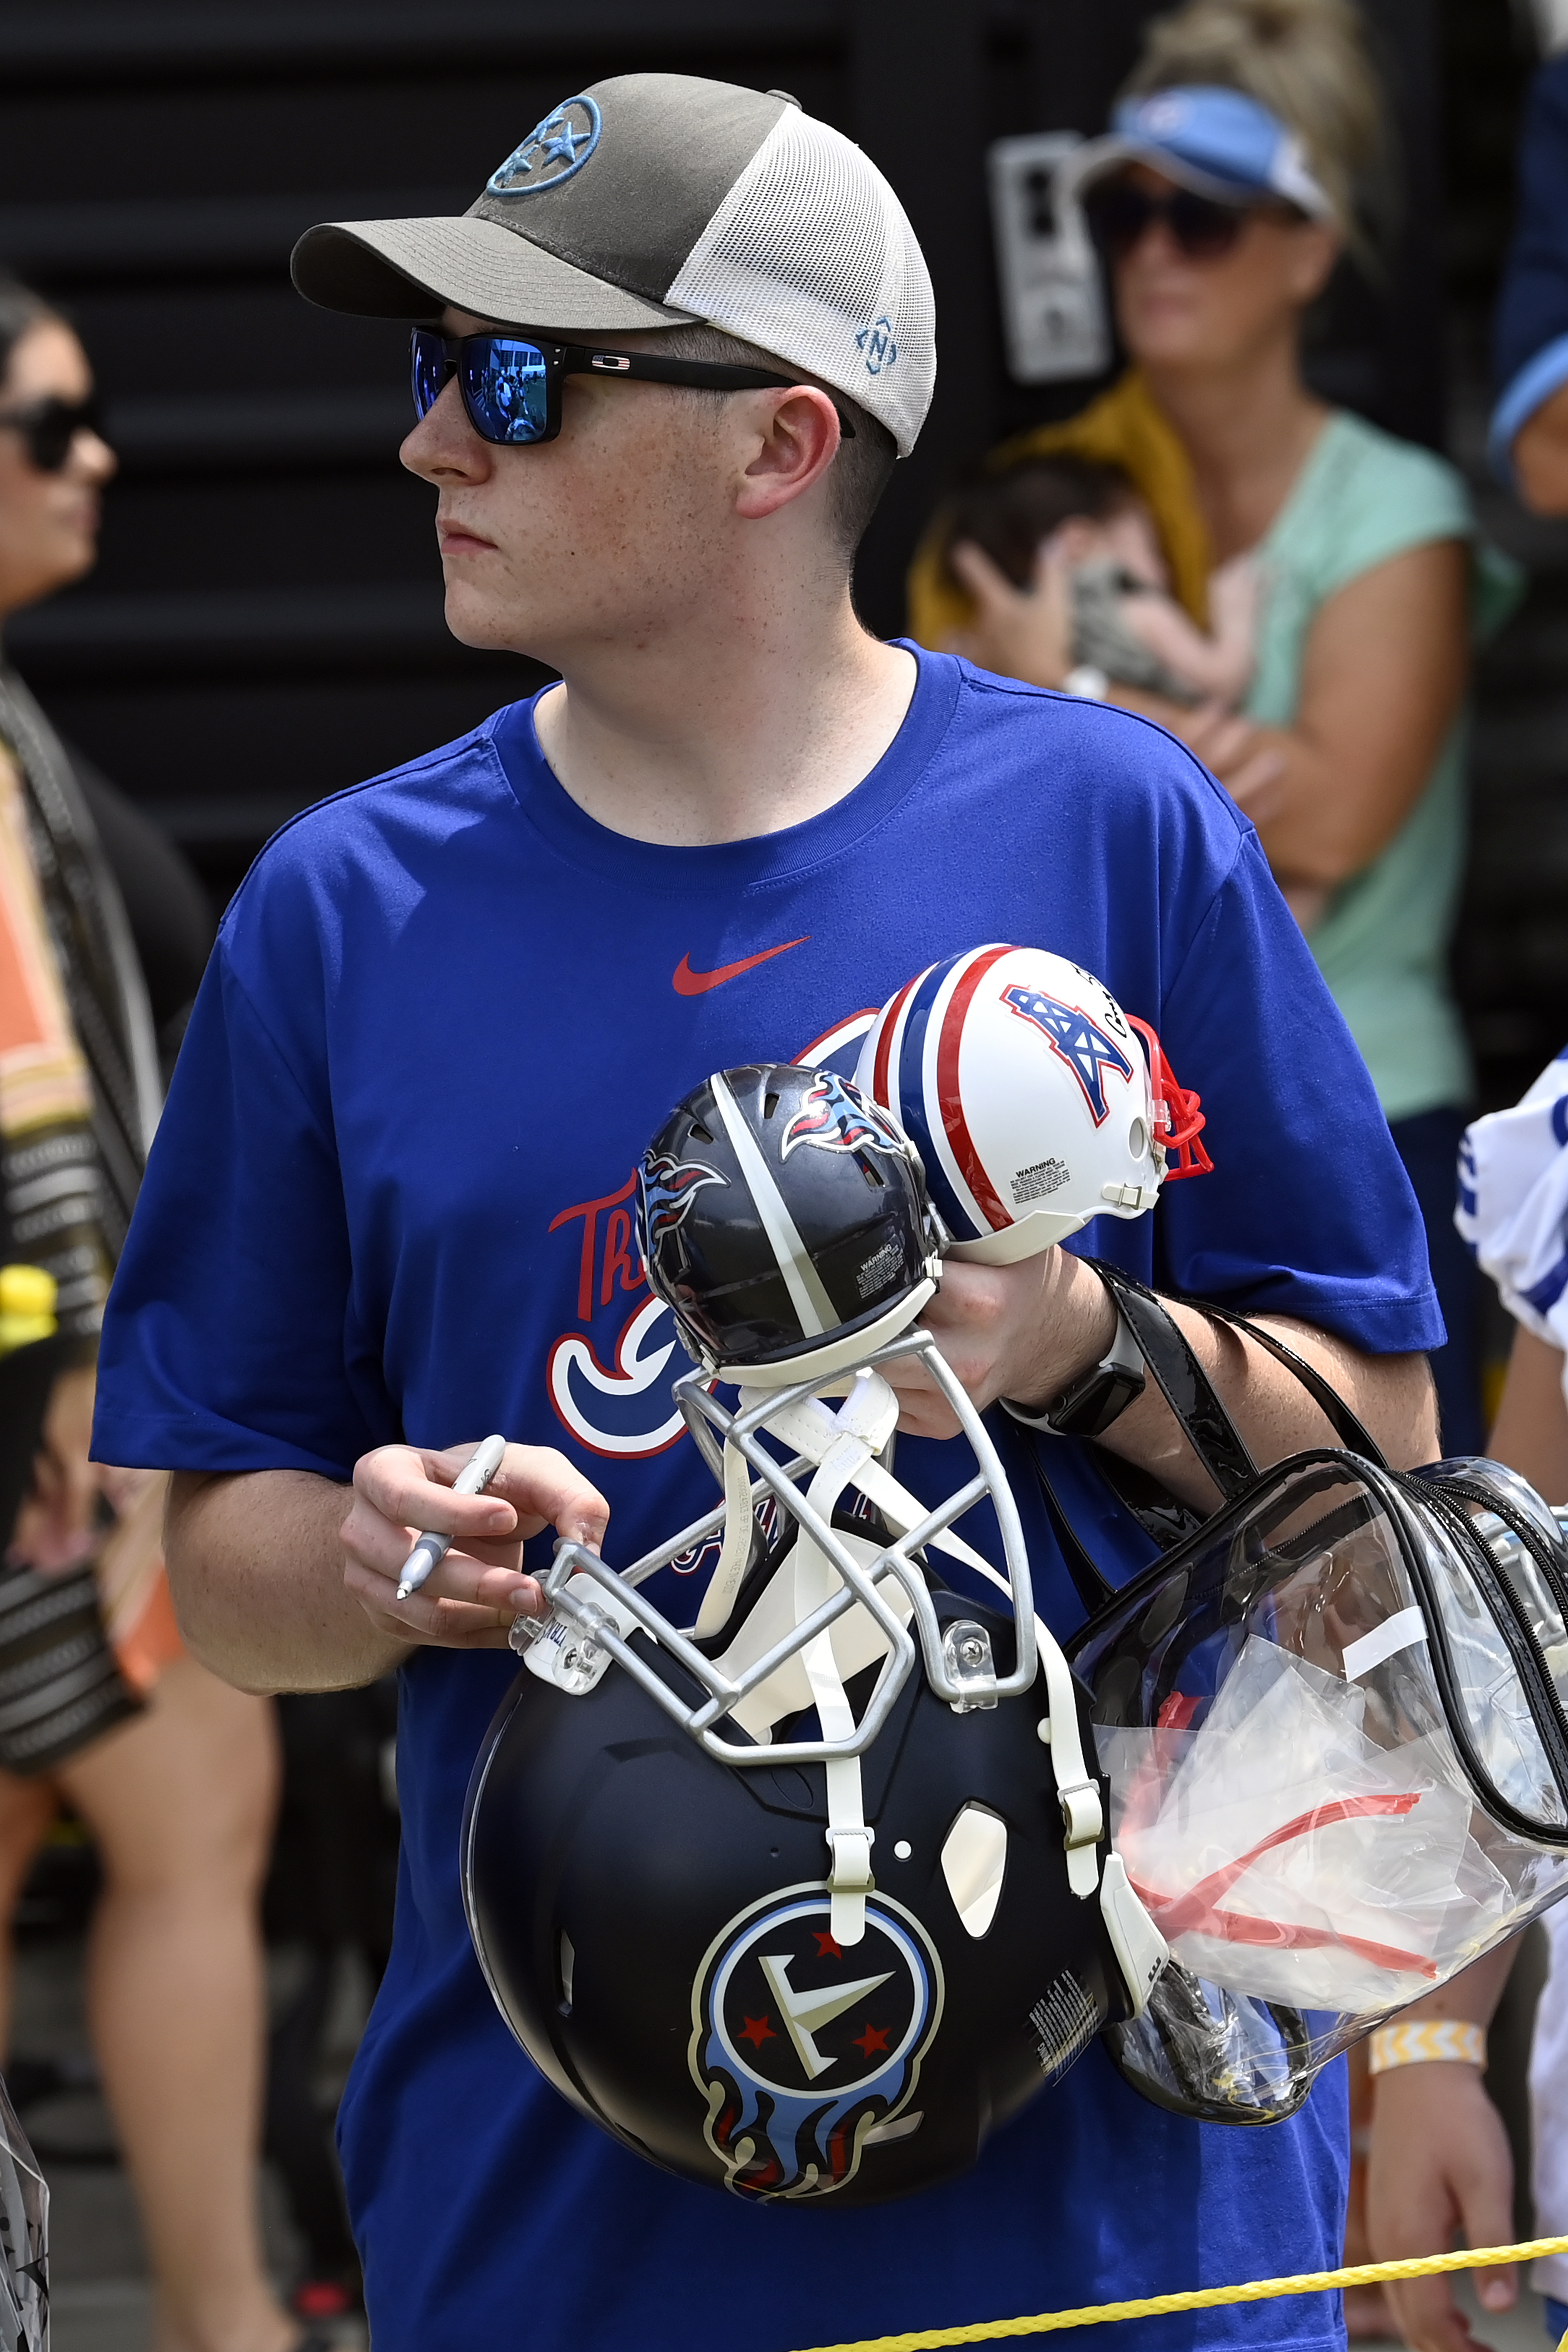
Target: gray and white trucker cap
{"x": 653, "y": 200}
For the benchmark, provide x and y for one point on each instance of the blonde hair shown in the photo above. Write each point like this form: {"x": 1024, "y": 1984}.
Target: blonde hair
{"x": 1308, "y": 62}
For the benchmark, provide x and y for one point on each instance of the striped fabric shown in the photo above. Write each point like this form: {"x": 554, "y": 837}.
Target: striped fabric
{"x": 78, "y": 1083}
{"x": 78, "y": 1100}
{"x": 59, "y": 1683}
{"x": 93, "y": 952}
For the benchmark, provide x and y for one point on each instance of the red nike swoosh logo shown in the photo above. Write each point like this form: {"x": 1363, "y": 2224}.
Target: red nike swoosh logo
{"x": 697, "y": 983}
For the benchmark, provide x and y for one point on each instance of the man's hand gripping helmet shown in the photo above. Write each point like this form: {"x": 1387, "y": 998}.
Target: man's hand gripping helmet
{"x": 1035, "y": 1102}
{"x": 806, "y": 1898}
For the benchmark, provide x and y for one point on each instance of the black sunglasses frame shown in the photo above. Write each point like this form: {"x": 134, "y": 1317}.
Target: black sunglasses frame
{"x": 49, "y": 428}
{"x": 1203, "y": 228}
{"x": 562, "y": 360}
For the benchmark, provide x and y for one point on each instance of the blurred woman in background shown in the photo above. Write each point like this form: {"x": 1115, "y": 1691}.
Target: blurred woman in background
{"x": 1222, "y": 202}
{"x": 172, "y": 1771}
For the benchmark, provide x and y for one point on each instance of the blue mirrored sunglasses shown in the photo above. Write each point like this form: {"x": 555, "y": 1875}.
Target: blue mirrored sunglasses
{"x": 511, "y": 384}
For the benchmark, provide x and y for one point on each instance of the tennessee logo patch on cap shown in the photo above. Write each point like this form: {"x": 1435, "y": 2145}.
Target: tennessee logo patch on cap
{"x": 554, "y": 151}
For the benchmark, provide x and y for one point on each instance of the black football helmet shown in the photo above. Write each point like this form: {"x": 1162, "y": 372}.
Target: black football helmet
{"x": 784, "y": 1215}
{"x": 805, "y": 1899}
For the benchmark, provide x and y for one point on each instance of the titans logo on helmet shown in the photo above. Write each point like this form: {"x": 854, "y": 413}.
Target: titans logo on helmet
{"x": 836, "y": 1118}
{"x": 806, "y": 2051}
{"x": 666, "y": 1188}
{"x": 1077, "y": 1040}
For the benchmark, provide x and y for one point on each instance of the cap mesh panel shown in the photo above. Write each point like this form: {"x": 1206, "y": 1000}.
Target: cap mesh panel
{"x": 809, "y": 251}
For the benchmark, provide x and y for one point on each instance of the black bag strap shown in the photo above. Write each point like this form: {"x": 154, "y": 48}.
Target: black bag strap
{"x": 1352, "y": 1431}
{"x": 1093, "y": 1587}
{"x": 1200, "y": 1414}
{"x": 1183, "y": 1381}
{"x": 1149, "y": 1313}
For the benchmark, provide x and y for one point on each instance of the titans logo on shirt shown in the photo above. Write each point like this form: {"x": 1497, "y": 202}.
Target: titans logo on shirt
{"x": 614, "y": 1398}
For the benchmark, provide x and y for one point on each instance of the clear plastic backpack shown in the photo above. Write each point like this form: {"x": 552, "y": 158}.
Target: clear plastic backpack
{"x": 1334, "y": 1719}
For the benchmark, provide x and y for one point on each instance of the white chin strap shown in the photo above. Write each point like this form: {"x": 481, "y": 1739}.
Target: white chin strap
{"x": 869, "y": 1415}
{"x": 844, "y": 1446}
{"x": 849, "y": 1837}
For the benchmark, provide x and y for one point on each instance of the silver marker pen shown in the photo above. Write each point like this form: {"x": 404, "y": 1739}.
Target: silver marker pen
{"x": 431, "y": 1549}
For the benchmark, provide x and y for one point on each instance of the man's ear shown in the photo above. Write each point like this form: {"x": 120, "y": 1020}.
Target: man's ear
{"x": 800, "y": 437}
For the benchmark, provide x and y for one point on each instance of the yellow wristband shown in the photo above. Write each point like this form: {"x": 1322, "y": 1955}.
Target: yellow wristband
{"x": 1419, "y": 2044}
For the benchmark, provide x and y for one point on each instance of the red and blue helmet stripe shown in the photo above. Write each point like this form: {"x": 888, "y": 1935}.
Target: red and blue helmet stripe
{"x": 915, "y": 1072}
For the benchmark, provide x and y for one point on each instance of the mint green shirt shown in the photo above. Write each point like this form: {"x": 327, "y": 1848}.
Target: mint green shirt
{"x": 1382, "y": 944}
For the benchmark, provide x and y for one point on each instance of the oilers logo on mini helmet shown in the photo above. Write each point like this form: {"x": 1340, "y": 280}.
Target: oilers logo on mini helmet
{"x": 1080, "y": 1042}
{"x": 1016, "y": 1076}
{"x": 803, "y": 2050}
{"x": 835, "y": 1117}
{"x": 666, "y": 1188}
{"x": 554, "y": 151}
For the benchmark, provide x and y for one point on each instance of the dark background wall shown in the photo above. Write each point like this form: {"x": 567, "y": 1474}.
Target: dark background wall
{"x": 265, "y": 625}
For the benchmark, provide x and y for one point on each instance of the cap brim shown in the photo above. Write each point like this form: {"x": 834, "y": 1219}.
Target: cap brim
{"x": 414, "y": 268}
{"x": 1096, "y": 157}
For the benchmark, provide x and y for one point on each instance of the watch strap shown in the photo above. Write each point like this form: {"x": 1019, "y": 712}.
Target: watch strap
{"x": 1090, "y": 1404}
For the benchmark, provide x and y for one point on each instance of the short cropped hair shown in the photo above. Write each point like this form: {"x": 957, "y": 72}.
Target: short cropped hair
{"x": 863, "y": 466}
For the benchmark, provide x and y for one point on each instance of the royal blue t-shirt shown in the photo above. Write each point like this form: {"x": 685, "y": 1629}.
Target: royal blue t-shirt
{"x": 392, "y": 1197}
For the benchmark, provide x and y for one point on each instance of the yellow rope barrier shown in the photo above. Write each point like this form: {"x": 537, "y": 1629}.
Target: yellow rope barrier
{"x": 1205, "y": 2298}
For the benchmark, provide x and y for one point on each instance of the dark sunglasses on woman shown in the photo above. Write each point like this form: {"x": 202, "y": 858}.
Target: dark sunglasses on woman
{"x": 1119, "y": 214}
{"x": 50, "y": 428}
{"x": 511, "y": 384}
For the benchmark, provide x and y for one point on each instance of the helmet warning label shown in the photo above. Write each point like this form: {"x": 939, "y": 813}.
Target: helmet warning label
{"x": 1038, "y": 1182}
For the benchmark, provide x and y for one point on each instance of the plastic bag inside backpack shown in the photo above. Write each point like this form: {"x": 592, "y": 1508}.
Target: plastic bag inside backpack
{"x": 1334, "y": 1724}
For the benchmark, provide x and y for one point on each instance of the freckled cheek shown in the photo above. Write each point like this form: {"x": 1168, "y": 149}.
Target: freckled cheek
{"x": 605, "y": 516}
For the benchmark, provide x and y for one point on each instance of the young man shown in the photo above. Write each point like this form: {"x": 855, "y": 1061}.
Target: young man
{"x": 390, "y": 1204}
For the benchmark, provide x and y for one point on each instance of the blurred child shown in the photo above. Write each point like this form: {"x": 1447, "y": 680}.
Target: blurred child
{"x": 1125, "y": 620}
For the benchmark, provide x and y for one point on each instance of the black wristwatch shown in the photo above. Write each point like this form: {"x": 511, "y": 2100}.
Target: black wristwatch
{"x": 1089, "y": 1406}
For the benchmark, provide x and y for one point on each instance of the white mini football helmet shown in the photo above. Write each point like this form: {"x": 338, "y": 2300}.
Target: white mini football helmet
{"x": 1035, "y": 1102}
